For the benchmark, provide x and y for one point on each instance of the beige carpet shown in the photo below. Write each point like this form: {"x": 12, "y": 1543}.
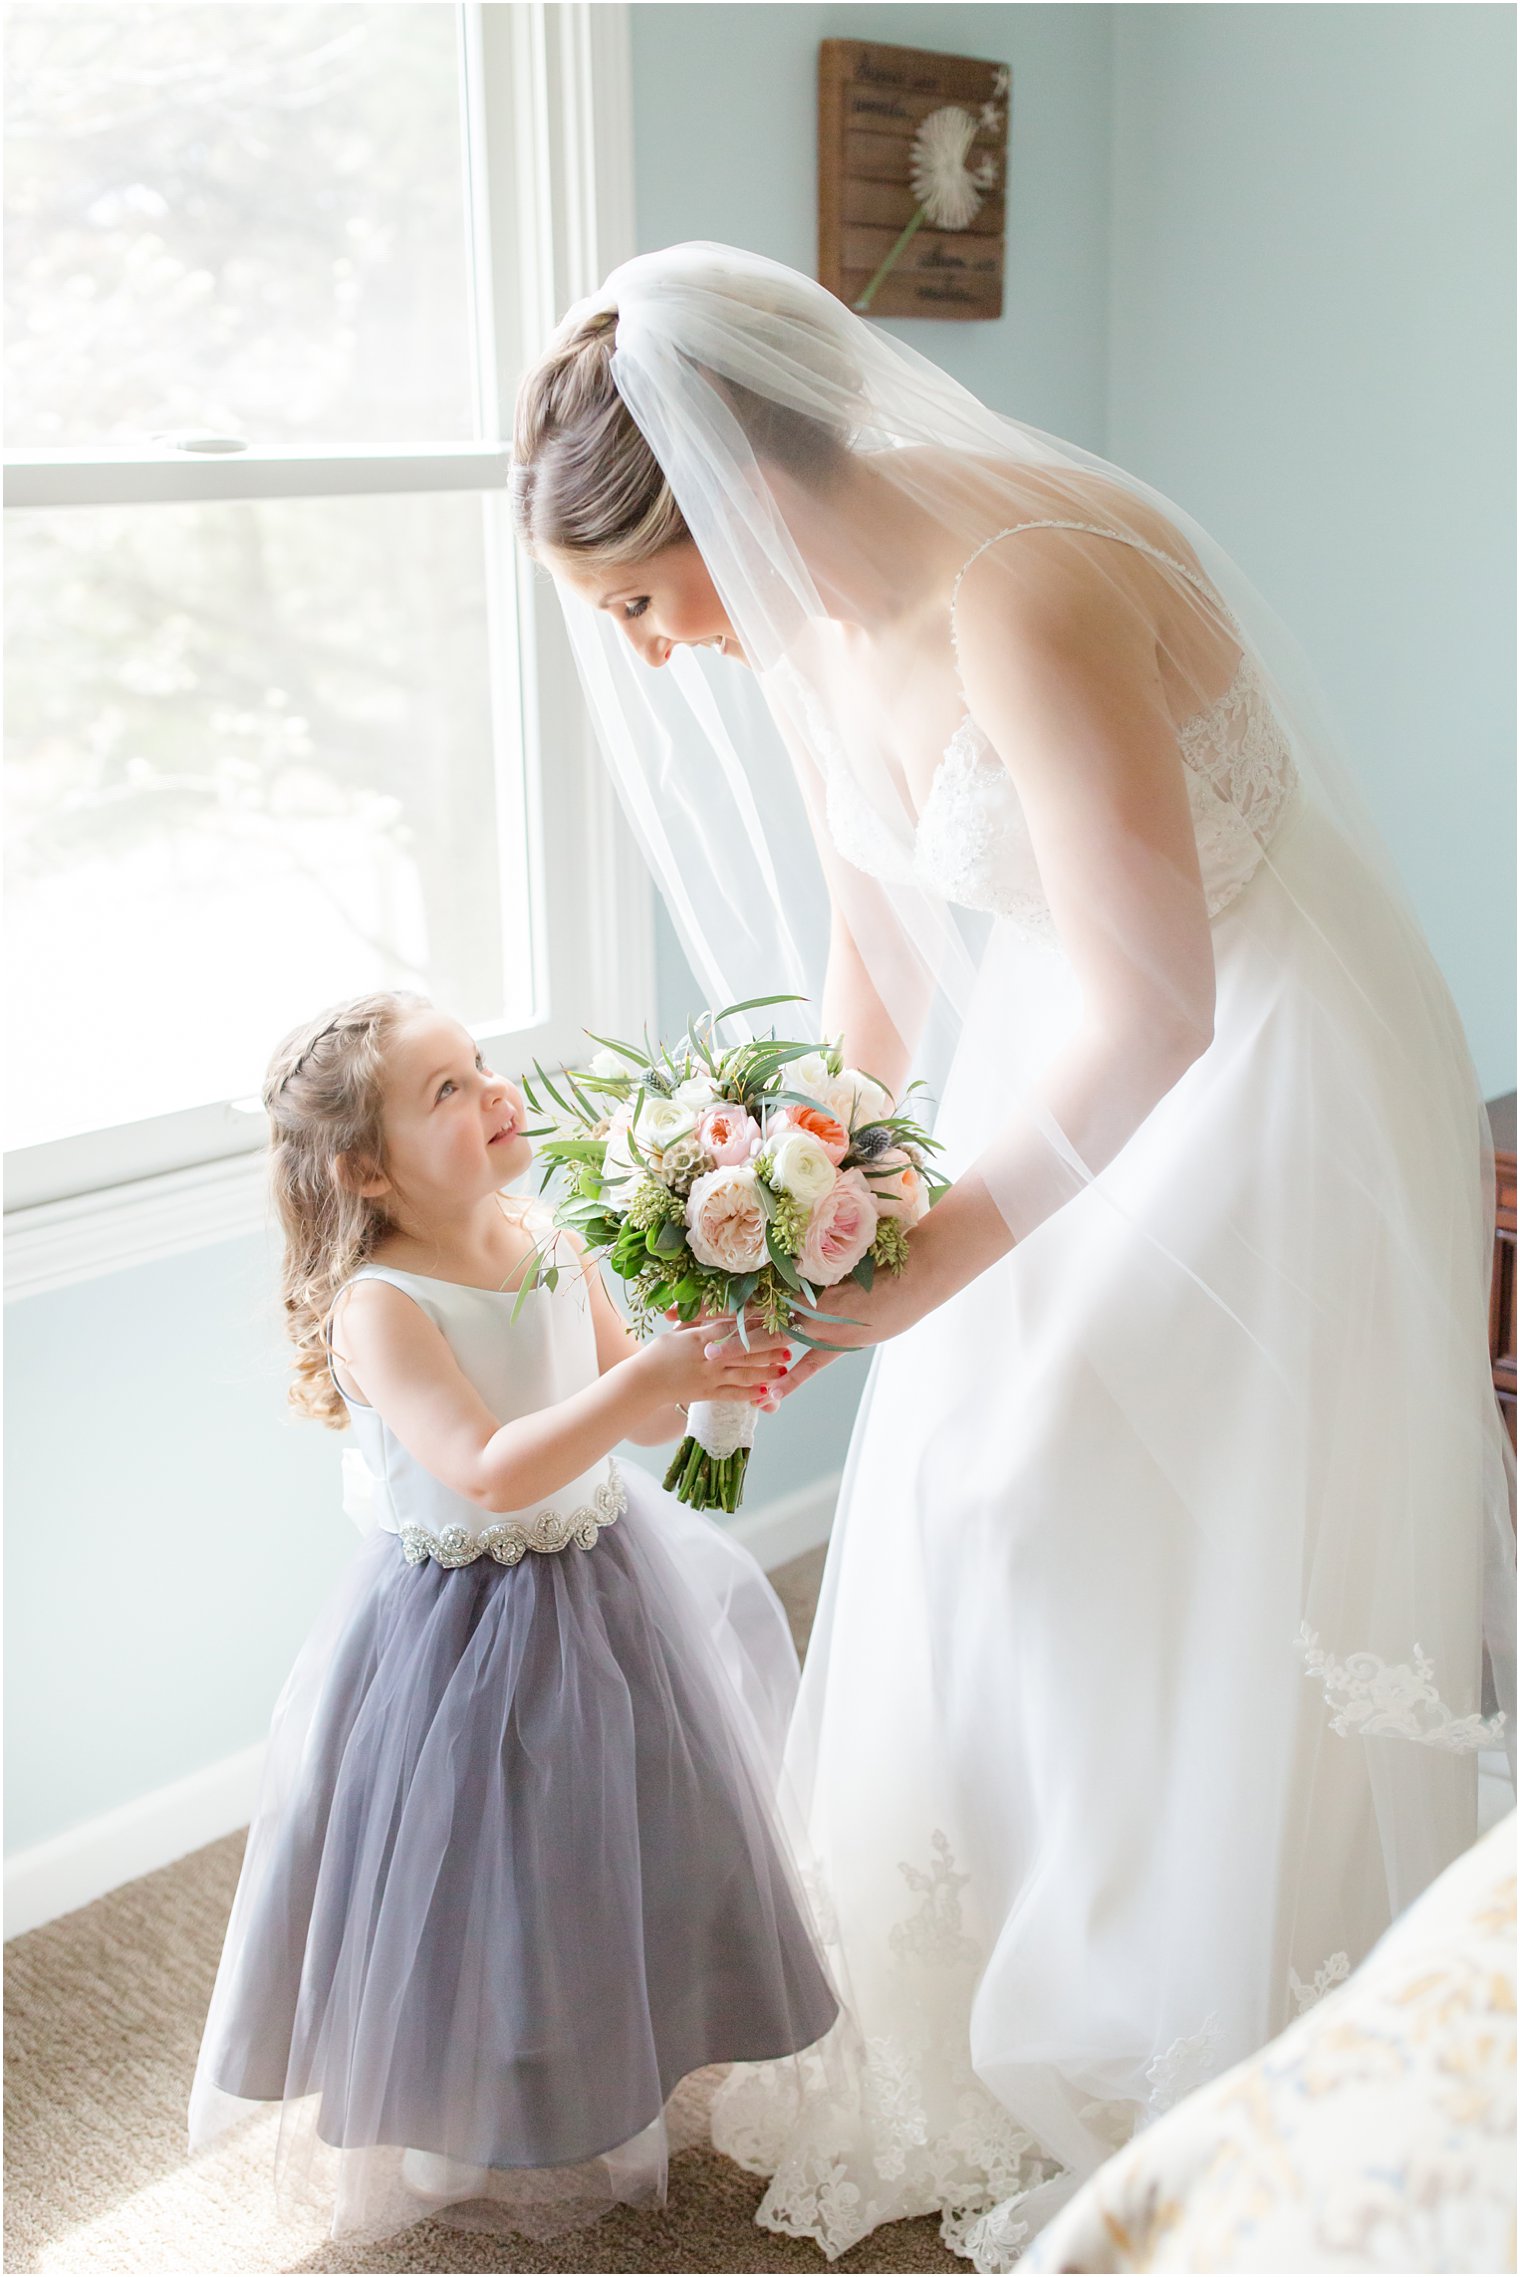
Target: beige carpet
{"x": 103, "y": 2019}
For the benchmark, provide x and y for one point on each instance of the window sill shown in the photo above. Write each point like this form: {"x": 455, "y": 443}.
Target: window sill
{"x": 53, "y": 1245}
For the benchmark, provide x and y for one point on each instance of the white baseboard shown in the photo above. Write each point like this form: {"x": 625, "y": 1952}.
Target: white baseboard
{"x": 54, "y": 1877}
{"x": 790, "y": 1526}
{"x": 71, "y": 1870}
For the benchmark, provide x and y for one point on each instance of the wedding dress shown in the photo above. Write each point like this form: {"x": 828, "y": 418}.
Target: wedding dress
{"x": 1095, "y": 1812}
{"x": 1147, "y": 1682}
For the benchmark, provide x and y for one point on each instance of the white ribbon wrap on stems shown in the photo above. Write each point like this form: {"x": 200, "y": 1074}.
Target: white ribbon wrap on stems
{"x": 722, "y": 1426}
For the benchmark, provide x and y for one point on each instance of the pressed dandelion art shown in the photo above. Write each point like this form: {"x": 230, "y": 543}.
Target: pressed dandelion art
{"x": 913, "y": 154}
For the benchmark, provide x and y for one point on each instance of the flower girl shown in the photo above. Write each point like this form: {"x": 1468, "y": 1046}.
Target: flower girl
{"x": 514, "y": 1872}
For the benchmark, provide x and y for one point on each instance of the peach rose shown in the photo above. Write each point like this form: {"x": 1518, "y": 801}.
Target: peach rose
{"x": 901, "y": 1195}
{"x": 728, "y": 1134}
{"x": 840, "y": 1230}
{"x": 725, "y": 1220}
{"x": 830, "y": 1133}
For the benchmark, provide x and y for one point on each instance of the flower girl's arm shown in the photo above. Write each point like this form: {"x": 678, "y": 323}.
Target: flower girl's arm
{"x": 401, "y": 1364}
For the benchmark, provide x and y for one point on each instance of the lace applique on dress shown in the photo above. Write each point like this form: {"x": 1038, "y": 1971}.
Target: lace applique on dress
{"x": 1186, "y": 2064}
{"x": 1372, "y": 1697}
{"x": 853, "y": 2134}
{"x": 932, "y": 1932}
{"x": 973, "y": 845}
{"x": 1325, "y": 1978}
{"x": 1240, "y": 779}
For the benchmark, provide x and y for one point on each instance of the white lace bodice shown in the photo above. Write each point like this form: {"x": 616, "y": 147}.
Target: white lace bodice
{"x": 972, "y": 844}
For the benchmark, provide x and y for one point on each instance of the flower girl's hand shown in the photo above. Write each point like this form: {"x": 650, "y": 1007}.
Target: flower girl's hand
{"x": 707, "y": 1361}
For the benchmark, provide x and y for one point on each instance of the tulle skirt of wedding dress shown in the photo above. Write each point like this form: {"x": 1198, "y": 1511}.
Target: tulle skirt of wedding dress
{"x": 1146, "y": 1685}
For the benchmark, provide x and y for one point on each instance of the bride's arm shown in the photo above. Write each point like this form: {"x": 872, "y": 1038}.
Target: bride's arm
{"x": 878, "y": 1041}
{"x": 1070, "y": 696}
{"x": 854, "y": 1012}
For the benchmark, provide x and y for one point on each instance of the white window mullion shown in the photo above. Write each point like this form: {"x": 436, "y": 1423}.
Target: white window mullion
{"x": 133, "y": 478}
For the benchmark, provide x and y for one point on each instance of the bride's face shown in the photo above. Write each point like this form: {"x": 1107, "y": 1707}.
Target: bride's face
{"x": 664, "y": 603}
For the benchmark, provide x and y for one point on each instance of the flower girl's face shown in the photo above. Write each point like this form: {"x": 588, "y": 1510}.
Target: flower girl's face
{"x": 664, "y": 603}
{"x": 453, "y": 1127}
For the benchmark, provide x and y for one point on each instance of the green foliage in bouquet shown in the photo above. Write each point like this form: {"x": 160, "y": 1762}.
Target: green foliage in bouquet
{"x": 630, "y": 1153}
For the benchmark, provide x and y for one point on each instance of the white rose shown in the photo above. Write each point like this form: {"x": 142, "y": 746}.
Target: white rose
{"x": 660, "y": 1122}
{"x": 855, "y": 1099}
{"x": 697, "y": 1092}
{"x": 619, "y": 1170}
{"x": 725, "y": 1220}
{"x": 607, "y": 1064}
{"x": 800, "y": 1166}
{"x": 809, "y": 1075}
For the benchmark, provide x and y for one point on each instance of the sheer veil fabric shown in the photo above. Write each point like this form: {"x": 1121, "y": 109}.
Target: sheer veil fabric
{"x": 1148, "y": 1680}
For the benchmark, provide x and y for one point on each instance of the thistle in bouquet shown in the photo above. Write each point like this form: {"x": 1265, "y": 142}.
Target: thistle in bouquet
{"x": 732, "y": 1181}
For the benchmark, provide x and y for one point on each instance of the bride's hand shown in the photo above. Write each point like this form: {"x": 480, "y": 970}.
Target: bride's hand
{"x": 850, "y": 1318}
{"x": 963, "y": 1234}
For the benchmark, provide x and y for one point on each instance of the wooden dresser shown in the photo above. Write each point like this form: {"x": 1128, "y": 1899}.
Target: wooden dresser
{"x": 1501, "y": 1307}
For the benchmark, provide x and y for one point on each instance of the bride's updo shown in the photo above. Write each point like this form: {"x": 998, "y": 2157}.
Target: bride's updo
{"x": 585, "y": 482}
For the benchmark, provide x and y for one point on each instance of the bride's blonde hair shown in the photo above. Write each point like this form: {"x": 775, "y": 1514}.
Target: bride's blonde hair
{"x": 324, "y": 1096}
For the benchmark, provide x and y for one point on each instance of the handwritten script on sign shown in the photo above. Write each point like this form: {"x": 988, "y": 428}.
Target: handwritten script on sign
{"x": 872, "y": 102}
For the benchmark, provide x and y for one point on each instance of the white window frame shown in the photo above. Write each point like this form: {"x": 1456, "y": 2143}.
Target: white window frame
{"x": 549, "y": 138}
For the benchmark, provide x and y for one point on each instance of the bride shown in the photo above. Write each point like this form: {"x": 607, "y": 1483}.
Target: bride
{"x": 1147, "y": 1683}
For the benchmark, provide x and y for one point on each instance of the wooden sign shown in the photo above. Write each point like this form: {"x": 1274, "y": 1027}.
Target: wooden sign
{"x": 873, "y": 102}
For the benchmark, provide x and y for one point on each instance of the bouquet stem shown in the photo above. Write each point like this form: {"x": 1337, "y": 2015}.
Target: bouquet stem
{"x": 708, "y": 1468}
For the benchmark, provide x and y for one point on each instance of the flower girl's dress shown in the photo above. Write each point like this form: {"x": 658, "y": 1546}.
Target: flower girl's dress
{"x": 514, "y": 1871}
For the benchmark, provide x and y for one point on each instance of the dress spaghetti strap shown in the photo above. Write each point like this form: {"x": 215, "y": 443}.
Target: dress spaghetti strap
{"x": 1088, "y": 529}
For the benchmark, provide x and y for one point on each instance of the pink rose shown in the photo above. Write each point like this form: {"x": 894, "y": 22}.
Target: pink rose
{"x": 839, "y": 1232}
{"x": 901, "y": 1195}
{"x": 728, "y": 1134}
{"x": 725, "y": 1220}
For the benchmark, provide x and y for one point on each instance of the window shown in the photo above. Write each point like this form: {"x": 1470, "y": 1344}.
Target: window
{"x": 280, "y": 692}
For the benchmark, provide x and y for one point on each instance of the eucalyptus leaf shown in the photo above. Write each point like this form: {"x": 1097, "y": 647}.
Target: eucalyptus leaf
{"x": 755, "y": 1004}
{"x": 780, "y": 1260}
{"x": 629, "y": 1052}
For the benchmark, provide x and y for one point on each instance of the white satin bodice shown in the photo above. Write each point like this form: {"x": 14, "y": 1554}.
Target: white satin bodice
{"x": 519, "y": 1366}
{"x": 972, "y": 843}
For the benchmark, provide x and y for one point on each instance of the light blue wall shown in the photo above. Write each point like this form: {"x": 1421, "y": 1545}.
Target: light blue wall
{"x": 1312, "y": 348}
{"x": 725, "y": 101}
{"x": 170, "y": 1531}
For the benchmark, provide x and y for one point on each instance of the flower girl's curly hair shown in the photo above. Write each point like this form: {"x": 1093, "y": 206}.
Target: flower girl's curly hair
{"x": 324, "y": 1096}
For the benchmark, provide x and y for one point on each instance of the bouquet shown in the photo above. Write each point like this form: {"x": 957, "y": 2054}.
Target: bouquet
{"x": 734, "y": 1181}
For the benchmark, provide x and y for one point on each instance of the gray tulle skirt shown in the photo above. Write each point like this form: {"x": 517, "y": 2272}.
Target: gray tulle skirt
{"x": 514, "y": 1873}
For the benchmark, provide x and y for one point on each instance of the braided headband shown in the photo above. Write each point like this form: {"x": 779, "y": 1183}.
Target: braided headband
{"x": 292, "y": 1072}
